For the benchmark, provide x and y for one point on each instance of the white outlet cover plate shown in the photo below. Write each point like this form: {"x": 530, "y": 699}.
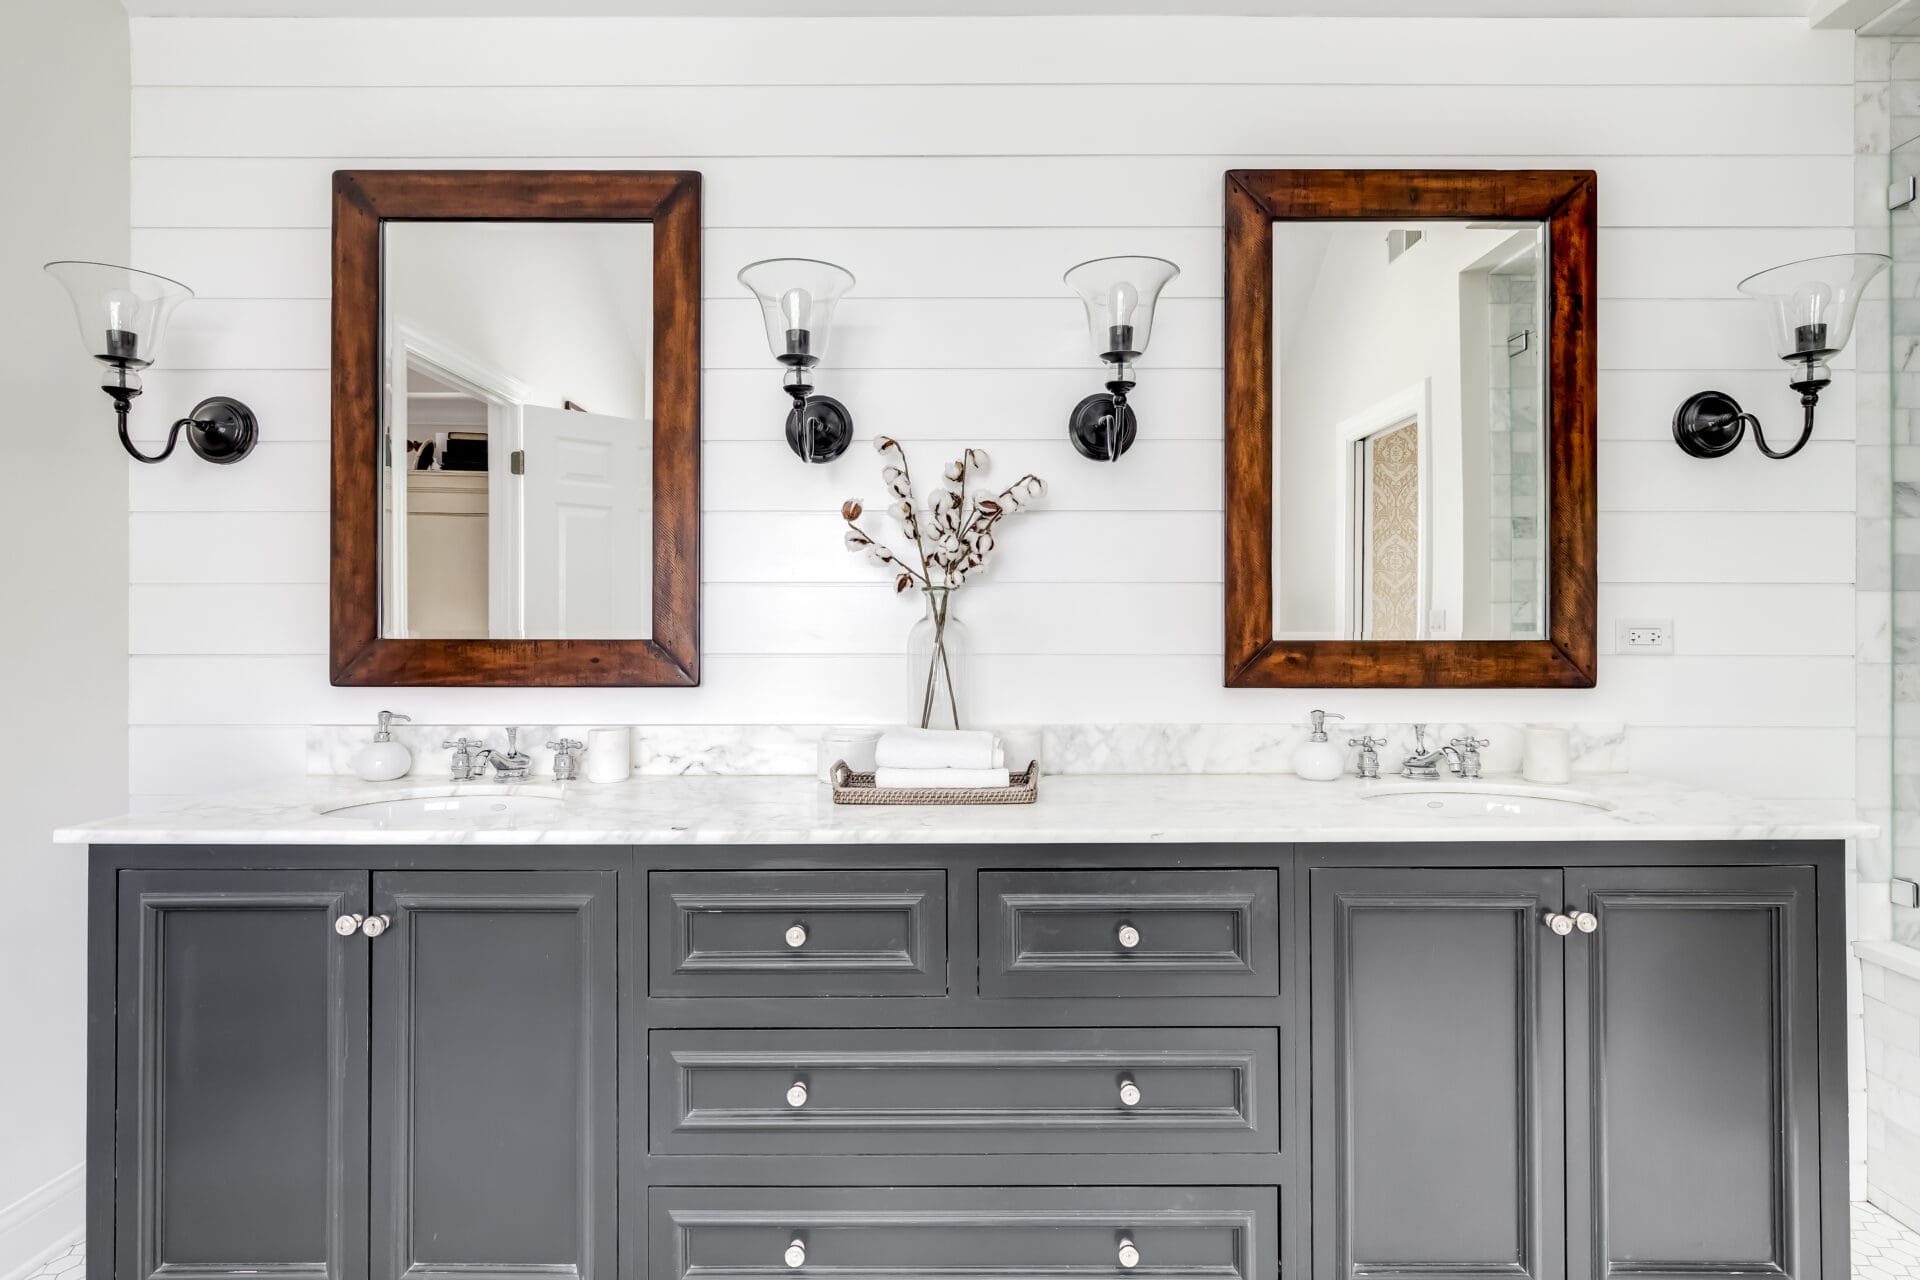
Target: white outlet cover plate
{"x": 1643, "y": 635}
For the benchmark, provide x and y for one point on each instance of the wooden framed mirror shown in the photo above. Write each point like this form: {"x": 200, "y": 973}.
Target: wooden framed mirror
{"x": 1410, "y": 386}
{"x": 516, "y": 428}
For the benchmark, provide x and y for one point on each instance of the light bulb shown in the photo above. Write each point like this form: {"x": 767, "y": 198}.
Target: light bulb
{"x": 1121, "y": 300}
{"x": 1811, "y": 300}
{"x": 123, "y": 308}
{"x": 797, "y": 306}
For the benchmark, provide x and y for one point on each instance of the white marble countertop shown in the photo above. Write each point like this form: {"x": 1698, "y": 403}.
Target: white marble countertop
{"x": 1072, "y": 809}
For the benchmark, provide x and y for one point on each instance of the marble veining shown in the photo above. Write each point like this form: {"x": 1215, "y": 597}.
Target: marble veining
{"x": 1087, "y": 808}
{"x": 789, "y": 750}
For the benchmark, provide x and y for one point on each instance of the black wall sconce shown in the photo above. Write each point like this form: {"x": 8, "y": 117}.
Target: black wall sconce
{"x": 797, "y": 297}
{"x": 1810, "y": 307}
{"x": 122, "y": 315}
{"x": 1119, "y": 294}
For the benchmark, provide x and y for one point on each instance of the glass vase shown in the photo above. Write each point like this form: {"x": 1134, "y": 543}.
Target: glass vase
{"x": 938, "y": 649}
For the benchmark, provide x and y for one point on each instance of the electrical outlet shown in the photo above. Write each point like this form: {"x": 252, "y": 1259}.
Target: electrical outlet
{"x": 1645, "y": 637}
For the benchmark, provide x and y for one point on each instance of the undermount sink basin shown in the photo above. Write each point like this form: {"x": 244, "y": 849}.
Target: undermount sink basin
{"x": 470, "y": 809}
{"x": 1493, "y": 800}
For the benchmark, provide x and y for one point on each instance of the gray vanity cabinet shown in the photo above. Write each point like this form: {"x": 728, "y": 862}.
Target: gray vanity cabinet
{"x": 1440, "y": 1061}
{"x": 298, "y": 1098}
{"x": 1639, "y": 1095}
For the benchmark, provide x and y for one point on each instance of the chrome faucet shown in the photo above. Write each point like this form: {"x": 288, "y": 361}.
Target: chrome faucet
{"x": 1368, "y": 765}
{"x": 467, "y": 763}
{"x": 1423, "y": 764}
{"x": 1465, "y": 754}
{"x": 513, "y": 764}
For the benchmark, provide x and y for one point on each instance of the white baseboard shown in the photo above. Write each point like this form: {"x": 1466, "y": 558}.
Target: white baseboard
{"x": 46, "y": 1221}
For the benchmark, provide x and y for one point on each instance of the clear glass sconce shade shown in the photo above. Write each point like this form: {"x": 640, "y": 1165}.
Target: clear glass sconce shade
{"x": 1120, "y": 294}
{"x": 1810, "y": 305}
{"x": 797, "y": 299}
{"x": 122, "y": 313}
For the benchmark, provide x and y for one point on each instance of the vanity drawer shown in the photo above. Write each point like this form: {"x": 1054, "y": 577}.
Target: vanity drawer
{"x": 964, "y": 1233}
{"x": 974, "y": 1091}
{"x": 1130, "y": 933}
{"x": 798, "y": 933}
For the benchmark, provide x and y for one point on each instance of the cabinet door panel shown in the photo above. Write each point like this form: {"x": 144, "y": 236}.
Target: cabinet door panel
{"x": 1437, "y": 1085}
{"x": 493, "y": 1050}
{"x": 1697, "y": 1059}
{"x": 241, "y": 1129}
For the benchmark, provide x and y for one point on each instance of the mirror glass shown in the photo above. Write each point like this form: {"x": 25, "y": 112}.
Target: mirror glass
{"x": 1410, "y": 467}
{"x": 516, "y": 393}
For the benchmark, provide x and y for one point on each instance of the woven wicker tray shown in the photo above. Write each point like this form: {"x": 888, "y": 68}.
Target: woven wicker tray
{"x": 857, "y": 788}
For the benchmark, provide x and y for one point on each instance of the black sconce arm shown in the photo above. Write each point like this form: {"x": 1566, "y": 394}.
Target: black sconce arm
{"x": 220, "y": 429}
{"x": 173, "y": 438}
{"x": 1809, "y": 399}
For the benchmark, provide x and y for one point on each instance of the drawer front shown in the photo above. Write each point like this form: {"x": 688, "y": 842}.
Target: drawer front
{"x": 964, "y": 1233}
{"x": 973, "y": 1091}
{"x": 1129, "y": 933}
{"x": 798, "y": 933}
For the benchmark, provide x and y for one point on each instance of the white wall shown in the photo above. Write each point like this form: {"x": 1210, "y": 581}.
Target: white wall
{"x": 63, "y": 528}
{"x": 958, "y": 199}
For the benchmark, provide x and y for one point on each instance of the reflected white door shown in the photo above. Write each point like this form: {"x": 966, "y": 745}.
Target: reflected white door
{"x": 587, "y": 525}
{"x": 397, "y": 462}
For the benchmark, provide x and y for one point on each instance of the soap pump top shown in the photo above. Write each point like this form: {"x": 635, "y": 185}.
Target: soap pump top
{"x": 386, "y": 725}
{"x": 1316, "y": 759}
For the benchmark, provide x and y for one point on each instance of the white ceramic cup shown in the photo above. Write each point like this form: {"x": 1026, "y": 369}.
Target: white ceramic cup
{"x": 609, "y": 754}
{"x": 1547, "y": 755}
{"x": 854, "y": 743}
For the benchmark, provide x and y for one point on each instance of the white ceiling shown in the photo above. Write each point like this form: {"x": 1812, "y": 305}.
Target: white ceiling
{"x": 960, "y": 8}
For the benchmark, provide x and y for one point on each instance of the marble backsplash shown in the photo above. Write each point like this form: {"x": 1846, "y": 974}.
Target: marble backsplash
{"x": 667, "y": 750}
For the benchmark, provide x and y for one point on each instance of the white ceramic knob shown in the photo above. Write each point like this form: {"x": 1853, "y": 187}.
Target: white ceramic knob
{"x": 346, "y": 926}
{"x": 1585, "y": 921}
{"x": 1129, "y": 1094}
{"x": 1127, "y": 936}
{"x": 1129, "y": 1254}
{"x": 796, "y": 1254}
{"x": 797, "y": 1094}
{"x": 1560, "y": 923}
{"x": 374, "y": 926}
{"x": 797, "y": 936}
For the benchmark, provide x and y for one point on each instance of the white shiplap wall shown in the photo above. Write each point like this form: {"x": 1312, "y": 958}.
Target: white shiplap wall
{"x": 958, "y": 166}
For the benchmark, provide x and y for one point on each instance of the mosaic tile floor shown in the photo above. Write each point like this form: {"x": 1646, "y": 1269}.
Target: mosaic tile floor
{"x": 71, "y": 1265}
{"x": 1882, "y": 1250}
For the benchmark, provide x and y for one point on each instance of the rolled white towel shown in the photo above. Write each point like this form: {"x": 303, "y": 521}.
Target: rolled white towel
{"x": 938, "y": 749}
{"x": 944, "y": 779}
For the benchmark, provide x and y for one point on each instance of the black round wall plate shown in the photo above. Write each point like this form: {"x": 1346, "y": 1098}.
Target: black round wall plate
{"x": 1709, "y": 424}
{"x": 832, "y": 429}
{"x": 1091, "y": 427}
{"x": 223, "y": 430}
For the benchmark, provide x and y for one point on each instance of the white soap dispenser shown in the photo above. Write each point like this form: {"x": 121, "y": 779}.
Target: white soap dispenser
{"x": 383, "y": 759}
{"x": 1316, "y": 759}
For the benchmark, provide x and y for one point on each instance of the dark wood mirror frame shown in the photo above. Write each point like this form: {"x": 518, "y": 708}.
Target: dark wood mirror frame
{"x": 1565, "y": 201}
{"x": 365, "y": 199}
